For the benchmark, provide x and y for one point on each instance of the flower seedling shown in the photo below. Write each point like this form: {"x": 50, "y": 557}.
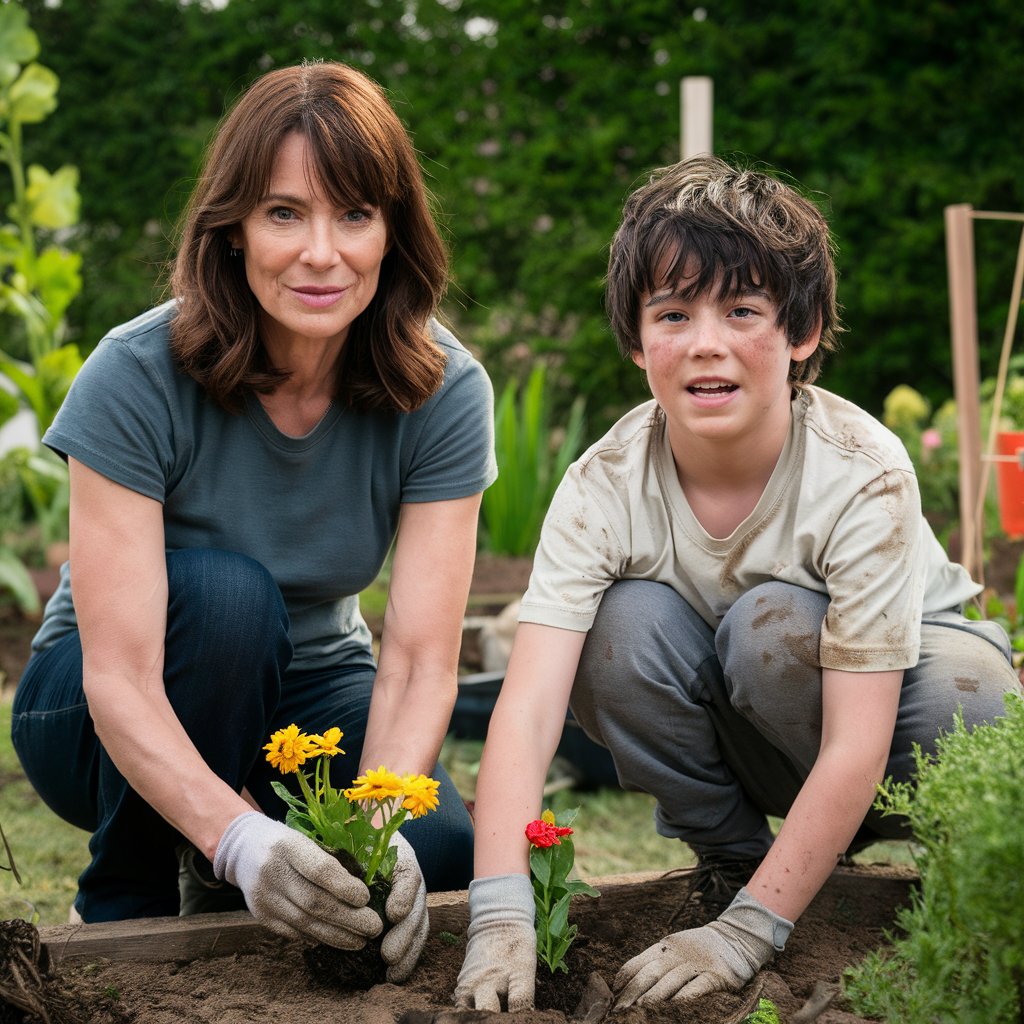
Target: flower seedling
{"x": 551, "y": 859}
{"x": 359, "y": 821}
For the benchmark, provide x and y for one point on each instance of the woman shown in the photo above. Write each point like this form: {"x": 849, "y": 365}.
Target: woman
{"x": 241, "y": 460}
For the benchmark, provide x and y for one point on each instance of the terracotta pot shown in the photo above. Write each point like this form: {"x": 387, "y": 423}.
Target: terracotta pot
{"x": 1010, "y": 478}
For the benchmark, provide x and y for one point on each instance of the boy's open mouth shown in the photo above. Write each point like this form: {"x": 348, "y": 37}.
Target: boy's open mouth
{"x": 712, "y": 388}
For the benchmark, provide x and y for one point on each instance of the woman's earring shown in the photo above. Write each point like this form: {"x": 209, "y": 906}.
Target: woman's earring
{"x": 235, "y": 252}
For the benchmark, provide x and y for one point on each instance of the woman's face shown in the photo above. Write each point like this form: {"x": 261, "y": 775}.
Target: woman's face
{"x": 312, "y": 266}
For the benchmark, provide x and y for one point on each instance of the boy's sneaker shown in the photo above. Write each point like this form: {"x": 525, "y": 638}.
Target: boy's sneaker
{"x": 199, "y": 889}
{"x": 714, "y": 882}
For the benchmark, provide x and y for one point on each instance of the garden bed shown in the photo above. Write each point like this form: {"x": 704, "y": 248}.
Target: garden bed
{"x": 226, "y": 969}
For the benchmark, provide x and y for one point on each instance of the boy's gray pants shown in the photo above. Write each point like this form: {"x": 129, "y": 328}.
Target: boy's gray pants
{"x": 723, "y": 727}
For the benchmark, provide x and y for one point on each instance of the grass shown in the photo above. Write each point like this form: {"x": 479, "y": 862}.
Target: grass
{"x": 615, "y": 833}
{"x": 49, "y": 852}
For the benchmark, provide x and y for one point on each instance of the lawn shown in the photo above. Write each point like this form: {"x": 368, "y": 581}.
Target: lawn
{"x": 615, "y": 833}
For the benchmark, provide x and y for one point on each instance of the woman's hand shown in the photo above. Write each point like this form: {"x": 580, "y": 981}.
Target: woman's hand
{"x": 292, "y": 886}
{"x": 406, "y": 911}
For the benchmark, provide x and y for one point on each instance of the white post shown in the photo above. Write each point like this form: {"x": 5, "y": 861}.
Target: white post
{"x": 696, "y": 101}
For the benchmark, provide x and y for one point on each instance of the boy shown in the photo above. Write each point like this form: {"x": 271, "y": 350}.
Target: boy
{"x": 736, "y": 592}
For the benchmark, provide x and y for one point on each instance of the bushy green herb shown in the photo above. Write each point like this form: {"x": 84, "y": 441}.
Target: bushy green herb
{"x": 766, "y": 1013}
{"x": 959, "y": 957}
{"x": 532, "y": 457}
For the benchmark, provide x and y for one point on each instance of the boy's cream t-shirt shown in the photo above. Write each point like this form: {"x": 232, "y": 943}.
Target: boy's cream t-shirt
{"x": 841, "y": 515}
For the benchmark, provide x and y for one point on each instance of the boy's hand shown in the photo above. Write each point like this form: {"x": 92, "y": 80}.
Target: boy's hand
{"x": 292, "y": 886}
{"x": 501, "y": 958}
{"x": 406, "y": 911}
{"x": 724, "y": 954}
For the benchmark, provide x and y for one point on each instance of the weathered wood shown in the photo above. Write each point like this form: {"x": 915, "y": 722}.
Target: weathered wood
{"x": 213, "y": 935}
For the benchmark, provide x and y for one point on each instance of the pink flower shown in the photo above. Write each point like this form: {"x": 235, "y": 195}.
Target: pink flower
{"x": 542, "y": 834}
{"x": 931, "y": 439}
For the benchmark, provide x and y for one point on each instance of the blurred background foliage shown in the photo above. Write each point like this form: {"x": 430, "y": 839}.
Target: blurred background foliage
{"x": 534, "y": 120}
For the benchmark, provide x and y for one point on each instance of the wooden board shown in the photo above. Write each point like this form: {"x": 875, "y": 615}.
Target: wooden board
{"x": 213, "y": 935}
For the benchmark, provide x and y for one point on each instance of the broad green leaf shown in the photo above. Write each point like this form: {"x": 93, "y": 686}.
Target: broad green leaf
{"x": 58, "y": 279}
{"x": 9, "y": 406}
{"x": 540, "y": 864}
{"x": 10, "y": 246}
{"x": 56, "y": 370}
{"x": 558, "y": 922}
{"x": 18, "y": 43}
{"x": 33, "y": 96}
{"x": 14, "y": 577}
{"x": 53, "y": 198}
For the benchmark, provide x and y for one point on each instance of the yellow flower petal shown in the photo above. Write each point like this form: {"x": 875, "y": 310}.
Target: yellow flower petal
{"x": 376, "y": 784}
{"x": 328, "y": 743}
{"x": 420, "y": 794}
{"x": 549, "y": 817}
{"x": 288, "y": 748}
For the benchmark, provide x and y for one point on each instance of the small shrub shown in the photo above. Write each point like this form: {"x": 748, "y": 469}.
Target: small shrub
{"x": 959, "y": 958}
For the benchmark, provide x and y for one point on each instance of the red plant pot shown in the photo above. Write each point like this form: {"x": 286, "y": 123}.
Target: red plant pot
{"x": 1010, "y": 477}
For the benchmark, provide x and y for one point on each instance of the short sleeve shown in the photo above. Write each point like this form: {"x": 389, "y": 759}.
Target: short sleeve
{"x": 451, "y": 455}
{"x": 874, "y": 571}
{"x": 116, "y": 420}
{"x": 579, "y": 556}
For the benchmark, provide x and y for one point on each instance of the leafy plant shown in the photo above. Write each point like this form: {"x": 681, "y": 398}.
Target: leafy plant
{"x": 551, "y": 860}
{"x": 343, "y": 819}
{"x": 532, "y": 458}
{"x": 38, "y": 280}
{"x": 766, "y": 1013}
{"x": 958, "y": 958}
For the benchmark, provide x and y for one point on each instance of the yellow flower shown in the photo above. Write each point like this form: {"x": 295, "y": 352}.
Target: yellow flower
{"x": 420, "y": 794}
{"x": 328, "y": 743}
{"x": 288, "y": 748}
{"x": 904, "y": 408}
{"x": 376, "y": 784}
{"x": 548, "y": 817}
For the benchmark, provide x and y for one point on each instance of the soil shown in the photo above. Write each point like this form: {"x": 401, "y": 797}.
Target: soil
{"x": 272, "y": 981}
{"x": 844, "y": 923}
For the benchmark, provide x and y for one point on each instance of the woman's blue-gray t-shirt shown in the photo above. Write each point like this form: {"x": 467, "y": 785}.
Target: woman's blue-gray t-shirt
{"x": 319, "y": 512}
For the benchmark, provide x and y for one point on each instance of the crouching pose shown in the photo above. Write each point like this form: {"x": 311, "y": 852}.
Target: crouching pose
{"x": 735, "y": 591}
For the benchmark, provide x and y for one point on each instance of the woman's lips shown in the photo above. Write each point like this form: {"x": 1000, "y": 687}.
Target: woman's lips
{"x": 318, "y": 297}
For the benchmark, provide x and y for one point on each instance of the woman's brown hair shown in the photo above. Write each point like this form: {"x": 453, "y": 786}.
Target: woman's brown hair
{"x": 361, "y": 156}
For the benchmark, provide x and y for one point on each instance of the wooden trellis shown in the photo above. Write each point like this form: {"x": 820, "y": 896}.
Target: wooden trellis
{"x": 975, "y": 461}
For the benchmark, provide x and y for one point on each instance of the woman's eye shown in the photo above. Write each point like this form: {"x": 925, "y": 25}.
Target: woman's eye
{"x": 282, "y": 213}
{"x": 358, "y": 216}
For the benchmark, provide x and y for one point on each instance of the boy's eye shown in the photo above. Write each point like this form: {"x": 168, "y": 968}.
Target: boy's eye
{"x": 674, "y": 317}
{"x": 742, "y": 312}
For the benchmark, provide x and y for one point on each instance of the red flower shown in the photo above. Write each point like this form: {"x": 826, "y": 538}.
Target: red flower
{"x": 542, "y": 834}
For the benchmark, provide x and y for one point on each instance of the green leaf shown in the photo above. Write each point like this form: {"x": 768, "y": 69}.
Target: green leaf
{"x": 53, "y": 198}
{"x": 18, "y": 43}
{"x": 558, "y": 921}
{"x": 15, "y": 578}
{"x": 58, "y": 280}
{"x": 33, "y": 96}
{"x": 577, "y": 887}
{"x": 9, "y": 406}
{"x": 540, "y": 864}
{"x": 56, "y": 371}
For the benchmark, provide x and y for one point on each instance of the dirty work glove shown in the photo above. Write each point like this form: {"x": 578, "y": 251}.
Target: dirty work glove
{"x": 406, "y": 911}
{"x": 501, "y": 958}
{"x": 724, "y": 954}
{"x": 292, "y": 886}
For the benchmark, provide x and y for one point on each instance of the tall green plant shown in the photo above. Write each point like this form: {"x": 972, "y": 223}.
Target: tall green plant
{"x": 532, "y": 457}
{"x": 39, "y": 278}
{"x": 959, "y": 958}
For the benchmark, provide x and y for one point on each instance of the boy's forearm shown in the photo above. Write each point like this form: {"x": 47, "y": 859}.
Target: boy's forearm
{"x": 523, "y": 734}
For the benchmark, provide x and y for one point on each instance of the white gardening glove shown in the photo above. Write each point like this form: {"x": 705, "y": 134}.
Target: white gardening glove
{"x": 501, "y": 957}
{"x": 724, "y": 954}
{"x": 292, "y": 886}
{"x": 406, "y": 910}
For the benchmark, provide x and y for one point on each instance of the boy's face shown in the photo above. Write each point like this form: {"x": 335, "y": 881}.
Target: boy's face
{"x": 719, "y": 367}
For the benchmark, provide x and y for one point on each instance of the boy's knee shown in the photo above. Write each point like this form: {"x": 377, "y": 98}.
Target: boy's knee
{"x": 770, "y": 630}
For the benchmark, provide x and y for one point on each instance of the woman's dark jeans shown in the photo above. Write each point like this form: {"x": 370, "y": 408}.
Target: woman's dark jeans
{"x": 227, "y": 678}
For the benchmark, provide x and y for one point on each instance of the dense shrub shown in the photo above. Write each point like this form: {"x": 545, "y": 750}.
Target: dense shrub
{"x": 959, "y": 957}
